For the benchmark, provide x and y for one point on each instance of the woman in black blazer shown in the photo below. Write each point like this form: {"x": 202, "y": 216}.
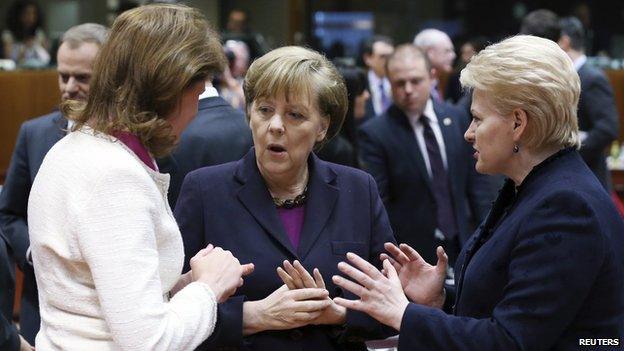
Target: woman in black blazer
{"x": 545, "y": 271}
{"x": 282, "y": 203}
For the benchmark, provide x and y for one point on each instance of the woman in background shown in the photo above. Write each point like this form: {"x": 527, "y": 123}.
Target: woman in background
{"x": 24, "y": 40}
{"x": 106, "y": 249}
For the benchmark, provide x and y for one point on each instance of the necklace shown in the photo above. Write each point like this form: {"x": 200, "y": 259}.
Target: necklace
{"x": 299, "y": 200}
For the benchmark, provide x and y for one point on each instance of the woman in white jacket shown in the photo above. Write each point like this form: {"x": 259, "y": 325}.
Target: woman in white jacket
{"x": 106, "y": 249}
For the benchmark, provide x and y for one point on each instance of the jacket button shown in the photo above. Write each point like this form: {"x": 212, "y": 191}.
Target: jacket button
{"x": 296, "y": 335}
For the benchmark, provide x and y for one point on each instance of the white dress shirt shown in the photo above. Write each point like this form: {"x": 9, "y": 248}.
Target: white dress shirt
{"x": 373, "y": 86}
{"x": 418, "y": 128}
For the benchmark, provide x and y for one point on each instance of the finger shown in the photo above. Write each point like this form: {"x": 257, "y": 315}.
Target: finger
{"x": 442, "y": 260}
{"x": 305, "y": 317}
{"x": 240, "y": 282}
{"x": 396, "y": 265}
{"x": 412, "y": 254}
{"x": 294, "y": 274}
{"x": 391, "y": 273}
{"x": 348, "y": 285}
{"x": 356, "y": 305}
{"x": 364, "y": 266}
{"x": 311, "y": 305}
{"x": 318, "y": 278}
{"x": 286, "y": 278}
{"x": 248, "y": 268}
{"x": 396, "y": 253}
{"x": 308, "y": 294}
{"x": 356, "y": 275}
{"x": 307, "y": 279}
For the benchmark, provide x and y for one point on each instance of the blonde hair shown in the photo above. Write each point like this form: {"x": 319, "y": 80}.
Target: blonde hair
{"x": 535, "y": 75}
{"x": 295, "y": 72}
{"x": 152, "y": 54}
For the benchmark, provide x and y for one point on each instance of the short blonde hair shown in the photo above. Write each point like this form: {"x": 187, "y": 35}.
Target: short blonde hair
{"x": 294, "y": 72}
{"x": 153, "y": 53}
{"x": 535, "y": 75}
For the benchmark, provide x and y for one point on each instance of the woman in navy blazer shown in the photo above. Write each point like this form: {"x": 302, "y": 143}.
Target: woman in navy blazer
{"x": 545, "y": 271}
{"x": 282, "y": 203}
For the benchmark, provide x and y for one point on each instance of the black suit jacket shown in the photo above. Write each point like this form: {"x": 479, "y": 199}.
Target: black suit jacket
{"x": 230, "y": 206}
{"x": 34, "y": 140}
{"x": 597, "y": 115}
{"x": 390, "y": 153}
{"x": 218, "y": 134}
{"x": 545, "y": 270}
{"x": 9, "y": 339}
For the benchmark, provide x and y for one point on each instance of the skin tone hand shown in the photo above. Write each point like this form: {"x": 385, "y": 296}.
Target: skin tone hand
{"x": 295, "y": 276}
{"x": 24, "y": 345}
{"x": 220, "y": 270}
{"x": 422, "y": 282}
{"x": 381, "y": 296}
{"x": 284, "y": 309}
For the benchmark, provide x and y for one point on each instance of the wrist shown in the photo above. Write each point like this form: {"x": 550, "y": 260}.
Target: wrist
{"x": 397, "y": 316}
{"x": 439, "y": 301}
{"x": 252, "y": 318}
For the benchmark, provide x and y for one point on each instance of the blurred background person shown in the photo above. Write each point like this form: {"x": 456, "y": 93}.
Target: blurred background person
{"x": 343, "y": 148}
{"x": 280, "y": 202}
{"x": 597, "y": 113}
{"x": 24, "y": 40}
{"x": 238, "y": 28}
{"x": 10, "y": 339}
{"x": 374, "y": 54}
{"x": 441, "y": 53}
{"x": 519, "y": 285}
{"x": 454, "y": 92}
{"x": 76, "y": 55}
{"x": 422, "y": 165}
{"x": 98, "y": 208}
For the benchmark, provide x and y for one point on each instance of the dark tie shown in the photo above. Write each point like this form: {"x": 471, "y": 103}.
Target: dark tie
{"x": 440, "y": 183}
{"x": 384, "y": 98}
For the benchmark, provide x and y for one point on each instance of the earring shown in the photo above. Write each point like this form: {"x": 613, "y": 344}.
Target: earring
{"x": 516, "y": 148}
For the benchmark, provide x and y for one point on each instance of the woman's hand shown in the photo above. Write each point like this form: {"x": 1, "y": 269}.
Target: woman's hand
{"x": 381, "y": 296}
{"x": 284, "y": 309}
{"x": 295, "y": 276}
{"x": 220, "y": 270}
{"x": 422, "y": 282}
{"x": 24, "y": 345}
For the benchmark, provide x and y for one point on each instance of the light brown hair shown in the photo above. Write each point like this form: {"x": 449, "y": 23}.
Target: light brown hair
{"x": 153, "y": 53}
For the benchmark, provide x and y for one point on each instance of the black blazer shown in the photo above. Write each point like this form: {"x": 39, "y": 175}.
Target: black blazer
{"x": 34, "y": 140}
{"x": 598, "y": 116}
{"x": 9, "y": 338}
{"x": 545, "y": 270}
{"x": 229, "y": 206}
{"x": 390, "y": 153}
{"x": 218, "y": 134}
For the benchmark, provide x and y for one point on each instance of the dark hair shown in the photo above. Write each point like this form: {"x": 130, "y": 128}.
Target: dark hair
{"x": 541, "y": 23}
{"x": 355, "y": 80}
{"x": 573, "y": 29}
{"x": 366, "y": 47}
{"x": 14, "y": 23}
{"x": 478, "y": 43}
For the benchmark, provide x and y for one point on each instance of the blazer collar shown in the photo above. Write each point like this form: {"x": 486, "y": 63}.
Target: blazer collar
{"x": 211, "y": 102}
{"x": 322, "y": 196}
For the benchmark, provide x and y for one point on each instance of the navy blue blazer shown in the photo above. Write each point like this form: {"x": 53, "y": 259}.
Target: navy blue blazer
{"x": 218, "y": 134}
{"x": 545, "y": 270}
{"x": 389, "y": 152}
{"x": 230, "y": 206}
{"x": 598, "y": 117}
{"x": 34, "y": 140}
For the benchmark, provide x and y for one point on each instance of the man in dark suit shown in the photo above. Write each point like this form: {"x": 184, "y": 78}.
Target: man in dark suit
{"x": 218, "y": 134}
{"x": 79, "y": 47}
{"x": 597, "y": 113}
{"x": 422, "y": 165}
{"x": 9, "y": 337}
{"x": 375, "y": 52}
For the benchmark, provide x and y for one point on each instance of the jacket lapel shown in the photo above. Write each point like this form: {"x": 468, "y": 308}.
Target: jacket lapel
{"x": 322, "y": 196}
{"x": 255, "y": 196}
{"x": 447, "y": 127}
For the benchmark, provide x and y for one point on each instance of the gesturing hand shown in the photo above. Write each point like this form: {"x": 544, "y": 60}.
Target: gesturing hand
{"x": 422, "y": 282}
{"x": 381, "y": 296}
{"x": 284, "y": 309}
{"x": 295, "y": 276}
{"x": 220, "y": 270}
